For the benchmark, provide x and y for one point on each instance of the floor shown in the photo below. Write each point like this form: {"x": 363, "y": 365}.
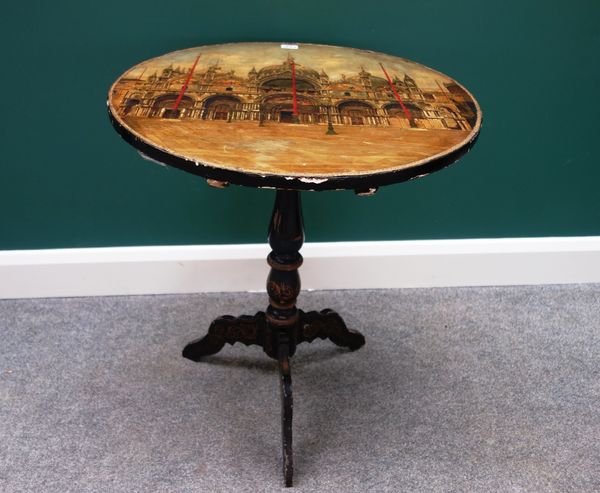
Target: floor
{"x": 457, "y": 389}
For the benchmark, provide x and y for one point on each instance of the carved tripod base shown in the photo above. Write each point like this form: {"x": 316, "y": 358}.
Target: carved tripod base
{"x": 282, "y": 326}
{"x": 279, "y": 343}
{"x": 254, "y": 330}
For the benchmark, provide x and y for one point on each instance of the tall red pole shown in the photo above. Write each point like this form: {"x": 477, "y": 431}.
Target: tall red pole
{"x": 295, "y": 102}
{"x": 185, "y": 86}
{"x": 404, "y": 108}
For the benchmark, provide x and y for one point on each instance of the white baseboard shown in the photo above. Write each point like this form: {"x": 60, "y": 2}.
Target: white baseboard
{"x": 344, "y": 265}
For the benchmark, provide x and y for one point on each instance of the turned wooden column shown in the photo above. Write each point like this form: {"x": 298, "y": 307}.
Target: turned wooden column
{"x": 286, "y": 236}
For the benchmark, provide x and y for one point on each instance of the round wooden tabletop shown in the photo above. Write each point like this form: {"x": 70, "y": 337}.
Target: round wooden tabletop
{"x": 294, "y": 116}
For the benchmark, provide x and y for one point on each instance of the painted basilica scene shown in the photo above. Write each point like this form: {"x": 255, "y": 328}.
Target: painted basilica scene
{"x": 314, "y": 109}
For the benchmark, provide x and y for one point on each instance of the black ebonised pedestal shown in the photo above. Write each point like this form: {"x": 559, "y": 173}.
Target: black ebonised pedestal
{"x": 282, "y": 327}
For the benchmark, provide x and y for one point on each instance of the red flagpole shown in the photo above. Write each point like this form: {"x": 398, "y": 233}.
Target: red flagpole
{"x": 295, "y": 102}
{"x": 404, "y": 108}
{"x": 185, "y": 86}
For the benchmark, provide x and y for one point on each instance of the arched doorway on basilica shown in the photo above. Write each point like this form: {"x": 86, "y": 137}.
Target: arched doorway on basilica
{"x": 220, "y": 107}
{"x": 397, "y": 114}
{"x": 163, "y": 106}
{"x": 131, "y": 106}
{"x": 415, "y": 110}
{"x": 280, "y": 108}
{"x": 357, "y": 113}
{"x": 394, "y": 110}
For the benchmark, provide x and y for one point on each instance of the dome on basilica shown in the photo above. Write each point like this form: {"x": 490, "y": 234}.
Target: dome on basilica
{"x": 285, "y": 70}
{"x": 375, "y": 81}
{"x": 379, "y": 81}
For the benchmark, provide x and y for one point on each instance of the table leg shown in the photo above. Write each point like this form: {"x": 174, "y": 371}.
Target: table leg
{"x": 282, "y": 326}
{"x": 228, "y": 330}
{"x": 327, "y": 324}
{"x": 287, "y": 406}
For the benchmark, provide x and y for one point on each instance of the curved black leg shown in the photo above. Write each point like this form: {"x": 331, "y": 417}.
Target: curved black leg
{"x": 228, "y": 330}
{"x": 327, "y": 324}
{"x": 286, "y": 412}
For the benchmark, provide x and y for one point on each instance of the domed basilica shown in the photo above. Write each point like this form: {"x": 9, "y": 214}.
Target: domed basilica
{"x": 291, "y": 93}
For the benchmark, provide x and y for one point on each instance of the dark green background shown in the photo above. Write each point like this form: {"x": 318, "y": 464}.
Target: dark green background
{"x": 68, "y": 180}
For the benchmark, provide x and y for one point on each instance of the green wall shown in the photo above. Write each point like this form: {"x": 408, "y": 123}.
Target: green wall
{"x": 68, "y": 180}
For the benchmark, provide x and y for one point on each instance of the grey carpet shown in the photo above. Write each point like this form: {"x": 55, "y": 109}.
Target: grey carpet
{"x": 487, "y": 389}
